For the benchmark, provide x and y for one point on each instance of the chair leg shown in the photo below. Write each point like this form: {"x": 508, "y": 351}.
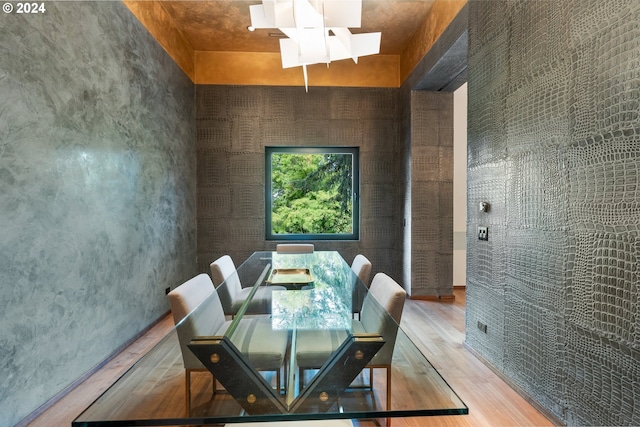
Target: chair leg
{"x": 388, "y": 388}
{"x": 187, "y": 391}
{"x": 388, "y": 393}
{"x": 187, "y": 388}
{"x": 388, "y": 369}
{"x": 301, "y": 376}
{"x": 285, "y": 382}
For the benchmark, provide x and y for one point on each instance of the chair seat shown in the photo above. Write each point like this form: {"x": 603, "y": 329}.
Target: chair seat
{"x": 313, "y": 348}
{"x": 254, "y": 337}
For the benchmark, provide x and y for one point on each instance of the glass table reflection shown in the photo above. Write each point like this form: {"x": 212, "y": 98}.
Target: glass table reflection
{"x": 308, "y": 309}
{"x": 152, "y": 391}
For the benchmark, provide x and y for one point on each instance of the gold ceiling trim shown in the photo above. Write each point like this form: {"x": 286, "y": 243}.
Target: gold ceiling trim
{"x": 437, "y": 20}
{"x": 160, "y": 25}
{"x": 253, "y": 68}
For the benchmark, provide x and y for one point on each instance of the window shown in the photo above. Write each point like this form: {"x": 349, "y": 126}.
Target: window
{"x": 311, "y": 193}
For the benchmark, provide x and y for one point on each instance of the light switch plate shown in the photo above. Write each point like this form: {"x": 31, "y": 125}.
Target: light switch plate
{"x": 483, "y": 233}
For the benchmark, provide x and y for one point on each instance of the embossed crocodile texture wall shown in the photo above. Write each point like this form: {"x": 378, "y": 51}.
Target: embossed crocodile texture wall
{"x": 235, "y": 123}
{"x": 554, "y": 146}
{"x": 431, "y": 194}
{"x": 97, "y": 192}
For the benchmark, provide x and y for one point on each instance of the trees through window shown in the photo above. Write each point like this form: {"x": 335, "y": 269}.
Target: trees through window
{"x": 311, "y": 193}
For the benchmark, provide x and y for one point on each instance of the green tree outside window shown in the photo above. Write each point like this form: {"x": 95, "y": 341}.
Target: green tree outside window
{"x": 311, "y": 192}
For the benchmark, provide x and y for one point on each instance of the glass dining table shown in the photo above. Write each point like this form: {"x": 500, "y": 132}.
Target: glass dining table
{"x": 317, "y": 293}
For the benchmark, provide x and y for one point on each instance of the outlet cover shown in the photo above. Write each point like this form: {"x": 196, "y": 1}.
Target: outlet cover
{"x": 482, "y": 327}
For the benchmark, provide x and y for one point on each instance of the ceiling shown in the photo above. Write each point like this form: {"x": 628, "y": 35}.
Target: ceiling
{"x": 221, "y": 25}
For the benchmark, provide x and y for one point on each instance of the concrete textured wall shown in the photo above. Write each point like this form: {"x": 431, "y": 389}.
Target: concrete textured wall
{"x": 97, "y": 192}
{"x": 554, "y": 146}
{"x": 235, "y": 123}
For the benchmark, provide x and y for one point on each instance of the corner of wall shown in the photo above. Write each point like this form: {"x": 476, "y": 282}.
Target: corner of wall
{"x": 160, "y": 25}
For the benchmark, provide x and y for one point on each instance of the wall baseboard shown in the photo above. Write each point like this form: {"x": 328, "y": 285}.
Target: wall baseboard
{"x": 434, "y": 298}
{"x": 58, "y": 396}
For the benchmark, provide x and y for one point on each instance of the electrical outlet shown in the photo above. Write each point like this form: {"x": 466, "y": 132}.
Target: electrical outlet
{"x": 483, "y": 233}
{"x": 167, "y": 290}
{"x": 482, "y": 327}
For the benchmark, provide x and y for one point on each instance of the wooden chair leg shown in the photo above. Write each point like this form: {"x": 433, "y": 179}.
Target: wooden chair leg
{"x": 388, "y": 369}
{"x": 371, "y": 378}
{"x": 187, "y": 388}
{"x": 388, "y": 388}
{"x": 388, "y": 393}
{"x": 187, "y": 391}
{"x": 285, "y": 382}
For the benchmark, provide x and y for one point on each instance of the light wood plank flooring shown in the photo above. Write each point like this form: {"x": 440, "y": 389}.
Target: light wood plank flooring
{"x": 437, "y": 328}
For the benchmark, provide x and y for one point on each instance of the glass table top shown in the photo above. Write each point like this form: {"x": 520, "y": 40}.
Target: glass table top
{"x": 153, "y": 391}
{"x": 308, "y": 309}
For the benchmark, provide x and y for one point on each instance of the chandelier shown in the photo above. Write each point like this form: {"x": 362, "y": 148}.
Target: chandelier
{"x": 317, "y": 31}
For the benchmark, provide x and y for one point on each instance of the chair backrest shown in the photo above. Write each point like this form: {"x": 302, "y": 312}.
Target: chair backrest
{"x": 382, "y": 312}
{"x": 197, "y": 311}
{"x": 295, "y": 248}
{"x": 224, "y": 270}
{"x": 361, "y": 266}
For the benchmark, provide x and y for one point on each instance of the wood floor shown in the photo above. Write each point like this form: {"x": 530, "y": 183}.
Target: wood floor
{"x": 437, "y": 328}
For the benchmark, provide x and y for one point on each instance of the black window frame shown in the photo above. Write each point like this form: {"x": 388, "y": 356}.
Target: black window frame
{"x": 355, "y": 175}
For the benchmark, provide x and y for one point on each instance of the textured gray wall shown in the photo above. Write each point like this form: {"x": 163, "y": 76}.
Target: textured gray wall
{"x": 431, "y": 193}
{"x": 554, "y": 146}
{"x": 97, "y": 192}
{"x": 234, "y": 124}
{"x": 426, "y": 128}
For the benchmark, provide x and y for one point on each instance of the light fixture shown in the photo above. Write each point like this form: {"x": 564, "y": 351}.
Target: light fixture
{"x": 317, "y": 31}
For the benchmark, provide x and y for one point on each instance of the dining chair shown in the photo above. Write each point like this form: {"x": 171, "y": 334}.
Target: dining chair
{"x": 381, "y": 313}
{"x": 232, "y": 294}
{"x": 295, "y": 248}
{"x": 197, "y": 311}
{"x": 361, "y": 267}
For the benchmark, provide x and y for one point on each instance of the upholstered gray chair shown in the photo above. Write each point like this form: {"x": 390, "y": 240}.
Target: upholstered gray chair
{"x": 361, "y": 267}
{"x": 295, "y": 248}
{"x": 232, "y": 294}
{"x": 197, "y": 311}
{"x": 381, "y": 313}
